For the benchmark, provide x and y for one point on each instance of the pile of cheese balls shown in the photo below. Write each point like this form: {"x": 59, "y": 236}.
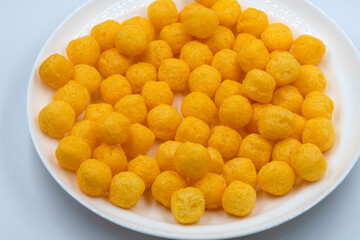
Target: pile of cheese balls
{"x": 273, "y": 117}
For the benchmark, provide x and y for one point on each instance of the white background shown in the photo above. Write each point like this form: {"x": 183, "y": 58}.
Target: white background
{"x": 32, "y": 204}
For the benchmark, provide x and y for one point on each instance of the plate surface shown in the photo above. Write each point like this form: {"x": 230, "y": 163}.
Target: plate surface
{"x": 340, "y": 65}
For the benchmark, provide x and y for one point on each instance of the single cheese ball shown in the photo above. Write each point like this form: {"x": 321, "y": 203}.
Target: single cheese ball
{"x": 310, "y": 79}
{"x": 212, "y": 186}
{"x": 176, "y": 36}
{"x": 113, "y": 128}
{"x": 235, "y": 111}
{"x": 56, "y": 119}
{"x": 284, "y": 149}
{"x": 195, "y": 54}
{"x": 140, "y": 140}
{"x": 113, "y": 155}
{"x": 320, "y": 132}
{"x": 112, "y": 62}
{"x": 113, "y": 88}
{"x": 223, "y": 38}
{"x": 199, "y": 105}
{"x": 165, "y": 155}
{"x": 126, "y": 189}
{"x": 104, "y": 33}
{"x": 299, "y": 123}
{"x": 241, "y": 169}
{"x": 242, "y": 40}
{"x": 308, "y": 50}
{"x": 206, "y": 3}
{"x": 96, "y": 111}
{"x": 144, "y": 23}
{"x": 162, "y": 13}
{"x": 87, "y": 76}
{"x": 239, "y": 199}
{"x": 227, "y": 89}
{"x": 164, "y": 120}
{"x": 228, "y": 12}
{"x": 276, "y": 178}
{"x": 71, "y": 152}
{"x": 85, "y": 129}
{"x": 145, "y": 167}
{"x": 84, "y": 50}
{"x": 259, "y": 86}
{"x": 131, "y": 40}
{"x": 156, "y": 93}
{"x": 191, "y": 160}
{"x": 288, "y": 97}
{"x": 257, "y": 110}
{"x": 133, "y": 107}
{"x": 284, "y": 68}
{"x": 277, "y": 36}
{"x": 56, "y": 71}
{"x": 140, "y": 73}
{"x": 317, "y": 105}
{"x": 253, "y": 55}
{"x": 187, "y": 205}
{"x": 205, "y": 79}
{"x": 216, "y": 164}
{"x": 156, "y": 52}
{"x": 187, "y": 8}
{"x": 226, "y": 62}
{"x": 252, "y": 21}
{"x": 165, "y": 184}
{"x": 175, "y": 72}
{"x": 308, "y": 162}
{"x": 192, "y": 129}
{"x": 75, "y": 94}
{"x": 225, "y": 140}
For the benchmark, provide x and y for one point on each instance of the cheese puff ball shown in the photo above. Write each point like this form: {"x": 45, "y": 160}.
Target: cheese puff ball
{"x": 140, "y": 140}
{"x": 308, "y": 50}
{"x": 259, "y": 86}
{"x": 284, "y": 149}
{"x": 164, "y": 120}
{"x": 241, "y": 169}
{"x": 104, "y": 33}
{"x": 310, "y": 79}
{"x": 56, "y": 71}
{"x": 320, "y": 132}
{"x": 162, "y": 13}
{"x": 176, "y": 36}
{"x": 94, "y": 177}
{"x": 252, "y": 21}
{"x": 228, "y": 12}
{"x": 144, "y": 23}
{"x": 195, "y": 54}
{"x": 96, "y": 111}
{"x": 175, "y": 72}
{"x": 71, "y": 152}
{"x": 223, "y": 38}
{"x": 133, "y": 107}
{"x": 238, "y": 199}
{"x": 140, "y": 73}
{"x": 84, "y": 50}
{"x": 75, "y": 94}
{"x": 187, "y": 8}
{"x": 288, "y": 97}
{"x": 227, "y": 89}
{"x": 126, "y": 189}
{"x": 316, "y": 105}
{"x": 216, "y": 164}
{"x": 226, "y": 140}
{"x": 199, "y": 105}
{"x": 131, "y": 40}
{"x": 187, "y": 205}
{"x": 253, "y": 55}
{"x": 145, "y": 167}
{"x": 276, "y": 178}
{"x": 112, "y": 62}
{"x": 85, "y": 129}
{"x": 277, "y": 36}
{"x": 205, "y": 79}
{"x": 113, "y": 88}
{"x": 87, "y": 76}
{"x": 155, "y": 93}
{"x": 226, "y": 62}
{"x": 165, "y": 155}
{"x": 284, "y": 68}
{"x": 276, "y": 123}
{"x": 192, "y": 129}
{"x": 113, "y": 128}
{"x": 235, "y": 111}
{"x": 257, "y": 110}
{"x": 56, "y": 119}
{"x": 156, "y": 52}
{"x": 279, "y": 52}
{"x": 299, "y": 123}
{"x": 165, "y": 184}
{"x": 191, "y": 160}
{"x": 113, "y": 155}
{"x": 206, "y": 3}
{"x": 212, "y": 186}
{"x": 242, "y": 40}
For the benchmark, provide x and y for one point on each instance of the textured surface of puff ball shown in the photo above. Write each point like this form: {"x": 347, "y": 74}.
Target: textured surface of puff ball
{"x": 133, "y": 107}
{"x": 144, "y": 23}
{"x": 104, "y": 33}
{"x": 131, "y": 40}
{"x": 199, "y": 105}
{"x": 308, "y": 49}
{"x": 175, "y": 72}
{"x": 195, "y": 54}
{"x": 112, "y": 62}
{"x": 226, "y": 62}
{"x": 320, "y": 132}
{"x": 85, "y": 129}
{"x": 146, "y": 168}
{"x": 223, "y": 38}
{"x": 113, "y": 155}
{"x": 242, "y": 169}
{"x": 140, "y": 73}
{"x": 192, "y": 129}
{"x": 165, "y": 155}
{"x": 225, "y": 140}
{"x": 162, "y": 13}
{"x": 97, "y": 110}
{"x": 156, "y": 93}
{"x": 252, "y": 21}
{"x": 139, "y": 141}
{"x": 156, "y": 52}
{"x": 176, "y": 36}
{"x": 84, "y": 50}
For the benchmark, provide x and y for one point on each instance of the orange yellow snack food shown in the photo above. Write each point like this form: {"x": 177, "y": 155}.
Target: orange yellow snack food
{"x": 96, "y": 111}
{"x": 277, "y": 36}
{"x": 310, "y": 79}
{"x": 165, "y": 155}
{"x": 84, "y": 50}
{"x": 104, "y": 33}
{"x": 252, "y": 21}
{"x": 156, "y": 52}
{"x": 257, "y": 110}
{"x": 223, "y": 38}
{"x": 56, "y": 119}
{"x": 226, "y": 62}
{"x": 113, "y": 88}
{"x": 140, "y": 140}
{"x": 144, "y": 23}
{"x": 85, "y": 129}
{"x": 131, "y": 40}
{"x": 56, "y": 70}
{"x": 228, "y": 12}
{"x": 320, "y": 132}
{"x": 113, "y": 128}
{"x": 241, "y": 169}
{"x": 112, "y": 62}
{"x": 259, "y": 86}
{"x": 235, "y": 111}
{"x": 162, "y": 13}
{"x": 308, "y": 49}
{"x": 284, "y": 149}
{"x": 195, "y": 54}
{"x": 187, "y": 8}
{"x": 227, "y": 89}
{"x": 175, "y": 72}
{"x": 133, "y": 107}
{"x": 216, "y": 163}
{"x": 284, "y": 68}
{"x": 242, "y": 40}
{"x": 87, "y": 76}
{"x": 253, "y": 55}
{"x": 299, "y": 123}
{"x": 212, "y": 186}
{"x": 206, "y": 3}
{"x": 140, "y": 73}
{"x": 176, "y": 36}
{"x": 113, "y": 155}
{"x": 288, "y": 97}
{"x": 205, "y": 79}
{"x": 225, "y": 140}
{"x": 199, "y": 105}
{"x": 156, "y": 93}
{"x": 316, "y": 105}
{"x": 145, "y": 167}
{"x": 192, "y": 129}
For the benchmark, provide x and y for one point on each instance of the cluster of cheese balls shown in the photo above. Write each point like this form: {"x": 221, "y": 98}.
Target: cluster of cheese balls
{"x": 275, "y": 118}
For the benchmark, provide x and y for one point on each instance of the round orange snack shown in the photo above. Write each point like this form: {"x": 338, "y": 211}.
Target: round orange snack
{"x": 84, "y": 50}
{"x": 113, "y": 155}
{"x": 212, "y": 186}
{"x": 104, "y": 33}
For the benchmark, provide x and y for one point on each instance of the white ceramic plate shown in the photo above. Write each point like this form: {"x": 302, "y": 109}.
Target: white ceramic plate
{"x": 340, "y": 65}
